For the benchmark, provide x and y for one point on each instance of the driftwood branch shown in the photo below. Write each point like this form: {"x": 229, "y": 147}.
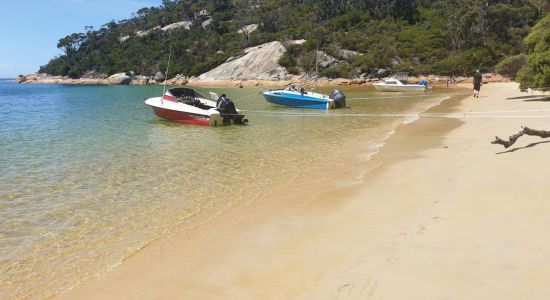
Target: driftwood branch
{"x": 524, "y": 130}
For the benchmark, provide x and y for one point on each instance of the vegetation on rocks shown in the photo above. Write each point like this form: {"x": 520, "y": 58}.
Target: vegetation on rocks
{"x": 446, "y": 37}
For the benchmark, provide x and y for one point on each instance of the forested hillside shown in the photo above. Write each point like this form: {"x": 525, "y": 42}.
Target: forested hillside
{"x": 420, "y": 36}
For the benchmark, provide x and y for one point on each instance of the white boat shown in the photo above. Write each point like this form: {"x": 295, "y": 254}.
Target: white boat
{"x": 399, "y": 83}
{"x": 186, "y": 105}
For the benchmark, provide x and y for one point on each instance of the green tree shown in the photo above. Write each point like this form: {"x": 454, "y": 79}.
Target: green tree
{"x": 536, "y": 73}
{"x": 511, "y": 65}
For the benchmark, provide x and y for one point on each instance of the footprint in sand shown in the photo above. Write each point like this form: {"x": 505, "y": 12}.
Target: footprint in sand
{"x": 421, "y": 230}
{"x": 368, "y": 291}
{"x": 345, "y": 290}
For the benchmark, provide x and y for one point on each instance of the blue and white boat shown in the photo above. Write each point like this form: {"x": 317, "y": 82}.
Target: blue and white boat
{"x": 302, "y": 98}
{"x": 399, "y": 83}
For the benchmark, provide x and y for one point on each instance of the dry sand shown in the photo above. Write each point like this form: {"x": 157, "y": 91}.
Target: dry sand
{"x": 445, "y": 215}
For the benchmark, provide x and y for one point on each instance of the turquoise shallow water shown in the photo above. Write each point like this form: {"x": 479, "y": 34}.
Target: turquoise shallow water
{"x": 89, "y": 175}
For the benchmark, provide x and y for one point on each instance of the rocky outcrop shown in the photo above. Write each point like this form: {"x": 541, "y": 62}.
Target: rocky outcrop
{"x": 347, "y": 54}
{"x": 143, "y": 33}
{"x": 140, "y": 80}
{"x": 206, "y": 23}
{"x": 41, "y": 78}
{"x": 247, "y": 29}
{"x": 119, "y": 78}
{"x": 20, "y": 78}
{"x": 325, "y": 60}
{"x": 178, "y": 80}
{"x": 159, "y": 77}
{"x": 94, "y": 75}
{"x": 184, "y": 24}
{"x": 295, "y": 42}
{"x": 258, "y": 63}
{"x": 95, "y": 78}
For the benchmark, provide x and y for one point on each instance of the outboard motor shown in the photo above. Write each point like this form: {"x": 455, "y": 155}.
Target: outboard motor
{"x": 339, "y": 99}
{"x": 228, "y": 112}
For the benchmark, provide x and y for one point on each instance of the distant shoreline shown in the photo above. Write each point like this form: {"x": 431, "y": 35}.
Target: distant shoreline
{"x": 179, "y": 81}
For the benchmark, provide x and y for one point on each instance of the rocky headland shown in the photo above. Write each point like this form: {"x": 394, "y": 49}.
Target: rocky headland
{"x": 256, "y": 66}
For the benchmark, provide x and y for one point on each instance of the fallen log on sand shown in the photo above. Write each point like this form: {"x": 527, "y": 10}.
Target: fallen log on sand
{"x": 524, "y": 130}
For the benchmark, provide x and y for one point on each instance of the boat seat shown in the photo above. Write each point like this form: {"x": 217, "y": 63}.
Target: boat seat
{"x": 190, "y": 100}
{"x": 193, "y": 101}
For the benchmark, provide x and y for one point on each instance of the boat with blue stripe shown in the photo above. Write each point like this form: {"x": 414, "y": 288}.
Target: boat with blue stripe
{"x": 302, "y": 98}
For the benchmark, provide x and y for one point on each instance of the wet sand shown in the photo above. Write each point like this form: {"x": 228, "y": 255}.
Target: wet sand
{"x": 444, "y": 214}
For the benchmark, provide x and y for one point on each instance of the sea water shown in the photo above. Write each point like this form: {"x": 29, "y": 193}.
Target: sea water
{"x": 89, "y": 175}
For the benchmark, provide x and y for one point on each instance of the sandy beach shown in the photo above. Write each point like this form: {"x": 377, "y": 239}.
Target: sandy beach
{"x": 444, "y": 214}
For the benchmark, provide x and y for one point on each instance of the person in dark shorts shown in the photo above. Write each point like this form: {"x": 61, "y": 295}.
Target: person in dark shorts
{"x": 477, "y": 83}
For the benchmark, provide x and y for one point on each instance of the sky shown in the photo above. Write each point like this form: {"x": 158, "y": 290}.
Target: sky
{"x": 30, "y": 29}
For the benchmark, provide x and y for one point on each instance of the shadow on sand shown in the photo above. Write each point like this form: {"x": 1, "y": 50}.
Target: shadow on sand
{"x": 531, "y": 98}
{"x": 521, "y": 148}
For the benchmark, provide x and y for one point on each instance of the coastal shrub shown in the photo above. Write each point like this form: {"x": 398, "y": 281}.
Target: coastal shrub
{"x": 536, "y": 73}
{"x": 73, "y": 73}
{"x": 287, "y": 61}
{"x": 293, "y": 70}
{"x": 511, "y": 65}
{"x": 343, "y": 70}
{"x": 294, "y": 49}
{"x": 363, "y": 62}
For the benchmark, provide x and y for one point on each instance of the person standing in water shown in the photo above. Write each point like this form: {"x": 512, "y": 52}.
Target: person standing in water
{"x": 477, "y": 83}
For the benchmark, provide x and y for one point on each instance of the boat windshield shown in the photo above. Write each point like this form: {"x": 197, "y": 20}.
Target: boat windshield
{"x": 183, "y": 92}
{"x": 402, "y": 76}
{"x": 293, "y": 88}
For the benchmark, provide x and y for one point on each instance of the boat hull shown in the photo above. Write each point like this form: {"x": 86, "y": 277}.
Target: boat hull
{"x": 297, "y": 101}
{"x": 182, "y": 113}
{"x": 182, "y": 117}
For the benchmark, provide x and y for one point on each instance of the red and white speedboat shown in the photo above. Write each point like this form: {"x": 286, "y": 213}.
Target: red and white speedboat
{"x": 186, "y": 105}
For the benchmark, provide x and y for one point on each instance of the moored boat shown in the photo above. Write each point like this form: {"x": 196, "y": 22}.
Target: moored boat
{"x": 302, "y": 98}
{"x": 186, "y": 105}
{"x": 399, "y": 83}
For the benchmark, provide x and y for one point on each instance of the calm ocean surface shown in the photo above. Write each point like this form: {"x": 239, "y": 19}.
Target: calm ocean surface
{"x": 89, "y": 175}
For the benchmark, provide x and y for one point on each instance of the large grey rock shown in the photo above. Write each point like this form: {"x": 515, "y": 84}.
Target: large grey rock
{"x": 347, "y": 54}
{"x": 184, "y": 24}
{"x": 179, "y": 80}
{"x": 159, "y": 77}
{"x": 21, "y": 78}
{"x": 143, "y": 33}
{"x": 140, "y": 80}
{"x": 93, "y": 74}
{"x": 206, "y": 23}
{"x": 325, "y": 60}
{"x": 258, "y": 63}
{"x": 248, "y": 28}
{"x": 119, "y": 78}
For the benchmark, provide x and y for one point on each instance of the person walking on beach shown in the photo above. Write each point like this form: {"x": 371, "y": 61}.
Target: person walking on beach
{"x": 477, "y": 83}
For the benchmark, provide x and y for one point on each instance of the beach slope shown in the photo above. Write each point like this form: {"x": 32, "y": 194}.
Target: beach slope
{"x": 444, "y": 215}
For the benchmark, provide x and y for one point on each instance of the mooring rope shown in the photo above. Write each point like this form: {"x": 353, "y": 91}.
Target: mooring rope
{"x": 451, "y": 115}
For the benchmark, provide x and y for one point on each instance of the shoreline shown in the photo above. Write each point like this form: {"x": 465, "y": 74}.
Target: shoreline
{"x": 435, "y": 81}
{"x": 432, "y": 219}
{"x": 232, "y": 223}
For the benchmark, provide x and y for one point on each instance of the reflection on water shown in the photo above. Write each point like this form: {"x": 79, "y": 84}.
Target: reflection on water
{"x": 89, "y": 175}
